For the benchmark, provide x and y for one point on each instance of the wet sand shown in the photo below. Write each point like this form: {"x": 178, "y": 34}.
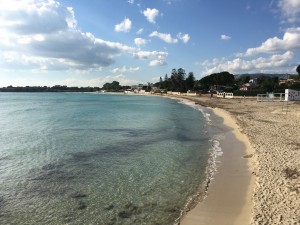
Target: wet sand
{"x": 229, "y": 195}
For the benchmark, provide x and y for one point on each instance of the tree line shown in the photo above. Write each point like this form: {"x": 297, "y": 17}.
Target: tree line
{"x": 182, "y": 82}
{"x": 179, "y": 81}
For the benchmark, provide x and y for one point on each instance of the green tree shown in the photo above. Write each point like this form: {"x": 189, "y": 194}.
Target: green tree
{"x": 190, "y": 81}
{"x": 161, "y": 83}
{"x": 268, "y": 83}
{"x": 113, "y": 86}
{"x": 223, "y": 78}
{"x": 178, "y": 80}
{"x": 298, "y": 70}
{"x": 167, "y": 83}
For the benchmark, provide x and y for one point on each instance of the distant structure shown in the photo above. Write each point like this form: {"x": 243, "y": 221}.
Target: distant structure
{"x": 292, "y": 95}
{"x": 250, "y": 85}
{"x": 224, "y": 95}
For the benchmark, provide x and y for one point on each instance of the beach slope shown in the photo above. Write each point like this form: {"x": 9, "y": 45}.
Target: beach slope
{"x": 229, "y": 195}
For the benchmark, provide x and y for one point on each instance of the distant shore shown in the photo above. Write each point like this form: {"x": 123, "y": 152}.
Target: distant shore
{"x": 271, "y": 156}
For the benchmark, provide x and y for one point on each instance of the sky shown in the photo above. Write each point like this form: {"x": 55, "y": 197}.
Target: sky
{"x": 92, "y": 42}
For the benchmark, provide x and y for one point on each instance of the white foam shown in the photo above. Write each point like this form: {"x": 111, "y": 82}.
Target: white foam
{"x": 197, "y": 107}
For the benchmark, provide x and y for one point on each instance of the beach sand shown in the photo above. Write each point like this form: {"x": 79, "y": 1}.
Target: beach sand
{"x": 257, "y": 183}
{"x": 228, "y": 199}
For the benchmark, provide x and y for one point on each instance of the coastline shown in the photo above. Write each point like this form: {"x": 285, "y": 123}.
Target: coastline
{"x": 228, "y": 199}
{"x": 272, "y": 129}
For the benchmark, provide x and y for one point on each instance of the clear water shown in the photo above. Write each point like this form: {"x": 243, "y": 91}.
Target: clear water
{"x": 98, "y": 159}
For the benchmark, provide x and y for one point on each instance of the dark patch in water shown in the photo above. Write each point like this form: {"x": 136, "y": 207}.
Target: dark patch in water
{"x": 5, "y": 158}
{"x": 130, "y": 210}
{"x": 48, "y": 181}
{"x": 125, "y": 214}
{"x": 83, "y": 156}
{"x": 78, "y": 194}
{"x": 182, "y": 137}
{"x": 1, "y": 202}
{"x": 52, "y": 166}
{"x": 110, "y": 207}
{"x": 54, "y": 175}
{"x": 82, "y": 205}
{"x": 122, "y": 132}
{"x": 112, "y": 221}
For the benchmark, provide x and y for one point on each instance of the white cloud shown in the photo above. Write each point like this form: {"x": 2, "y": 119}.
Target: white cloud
{"x": 157, "y": 58}
{"x": 225, "y": 37}
{"x": 290, "y": 41}
{"x": 184, "y": 37}
{"x": 124, "y": 69}
{"x": 131, "y": 2}
{"x": 140, "y": 31}
{"x": 151, "y": 14}
{"x": 165, "y": 37}
{"x": 124, "y": 26}
{"x": 150, "y": 55}
{"x": 140, "y": 41}
{"x": 290, "y": 9}
{"x": 157, "y": 62}
{"x": 42, "y": 35}
{"x": 238, "y": 65}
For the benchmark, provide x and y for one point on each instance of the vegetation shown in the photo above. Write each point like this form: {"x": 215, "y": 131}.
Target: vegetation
{"x": 253, "y": 92}
{"x": 268, "y": 83}
{"x": 177, "y": 81}
{"x": 113, "y": 86}
{"x": 223, "y": 79}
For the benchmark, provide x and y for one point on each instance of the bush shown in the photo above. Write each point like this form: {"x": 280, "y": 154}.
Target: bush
{"x": 253, "y": 92}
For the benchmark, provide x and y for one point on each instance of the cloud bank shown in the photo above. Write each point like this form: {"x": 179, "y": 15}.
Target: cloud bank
{"x": 43, "y": 35}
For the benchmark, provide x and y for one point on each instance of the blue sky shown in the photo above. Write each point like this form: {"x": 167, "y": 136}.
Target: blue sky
{"x": 89, "y": 43}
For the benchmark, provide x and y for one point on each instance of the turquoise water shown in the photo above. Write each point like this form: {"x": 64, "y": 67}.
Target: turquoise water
{"x": 98, "y": 159}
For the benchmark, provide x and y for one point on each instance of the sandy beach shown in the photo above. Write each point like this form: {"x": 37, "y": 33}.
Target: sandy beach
{"x": 258, "y": 181}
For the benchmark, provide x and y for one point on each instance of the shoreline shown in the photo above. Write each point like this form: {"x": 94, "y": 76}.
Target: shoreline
{"x": 233, "y": 174}
{"x": 272, "y": 128}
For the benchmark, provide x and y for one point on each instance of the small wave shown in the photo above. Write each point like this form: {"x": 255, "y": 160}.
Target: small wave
{"x": 197, "y": 107}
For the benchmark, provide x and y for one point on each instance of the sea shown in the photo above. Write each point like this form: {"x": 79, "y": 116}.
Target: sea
{"x": 107, "y": 159}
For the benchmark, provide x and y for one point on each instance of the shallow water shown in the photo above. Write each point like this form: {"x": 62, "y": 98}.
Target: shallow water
{"x": 98, "y": 159}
